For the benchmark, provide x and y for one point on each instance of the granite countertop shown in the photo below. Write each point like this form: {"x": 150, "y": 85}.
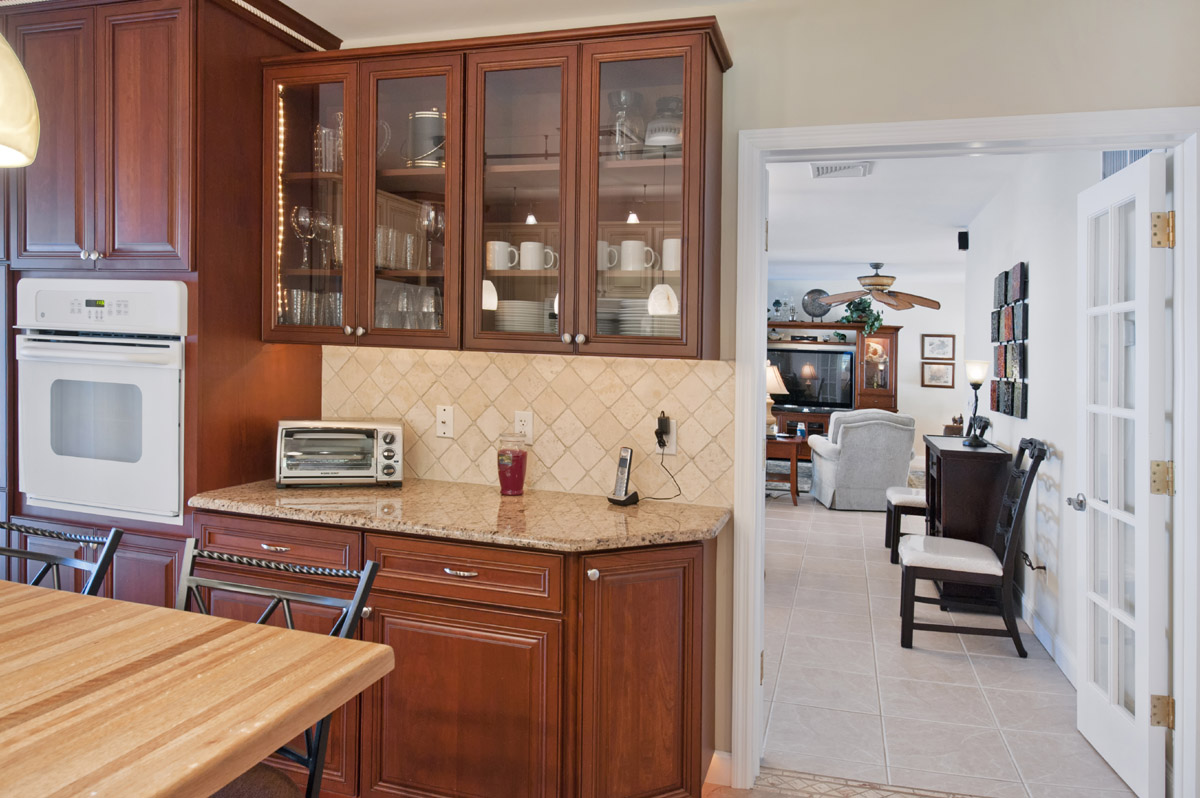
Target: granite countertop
{"x": 540, "y": 519}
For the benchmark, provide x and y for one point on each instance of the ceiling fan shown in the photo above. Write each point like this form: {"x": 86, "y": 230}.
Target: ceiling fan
{"x": 878, "y": 287}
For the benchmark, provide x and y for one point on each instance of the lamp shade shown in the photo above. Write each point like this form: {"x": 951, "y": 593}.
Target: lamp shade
{"x": 490, "y": 300}
{"x": 19, "y": 124}
{"x": 775, "y": 380}
{"x": 808, "y": 371}
{"x": 977, "y": 371}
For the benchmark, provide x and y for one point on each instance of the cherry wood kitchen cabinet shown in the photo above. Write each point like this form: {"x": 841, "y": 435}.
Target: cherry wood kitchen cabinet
{"x": 70, "y": 578}
{"x": 145, "y": 569}
{"x": 578, "y": 145}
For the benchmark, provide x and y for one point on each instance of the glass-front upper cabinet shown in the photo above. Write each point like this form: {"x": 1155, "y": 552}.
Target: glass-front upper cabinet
{"x": 520, "y": 227}
{"x": 641, "y": 177}
{"x": 877, "y": 369}
{"x": 409, "y": 202}
{"x": 309, "y": 232}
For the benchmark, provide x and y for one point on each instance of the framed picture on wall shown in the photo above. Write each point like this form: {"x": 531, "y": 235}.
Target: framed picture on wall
{"x": 937, "y": 347}
{"x": 937, "y": 375}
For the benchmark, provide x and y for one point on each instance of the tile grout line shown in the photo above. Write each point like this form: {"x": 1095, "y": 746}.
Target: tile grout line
{"x": 987, "y": 702}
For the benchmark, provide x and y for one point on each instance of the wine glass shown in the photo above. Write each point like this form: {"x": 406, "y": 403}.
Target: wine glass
{"x": 323, "y": 223}
{"x": 305, "y": 229}
{"x": 427, "y": 222}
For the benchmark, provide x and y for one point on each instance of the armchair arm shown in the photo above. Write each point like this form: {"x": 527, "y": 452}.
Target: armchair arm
{"x": 820, "y": 445}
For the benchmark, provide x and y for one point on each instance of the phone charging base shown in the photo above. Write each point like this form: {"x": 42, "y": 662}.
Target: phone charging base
{"x": 623, "y": 501}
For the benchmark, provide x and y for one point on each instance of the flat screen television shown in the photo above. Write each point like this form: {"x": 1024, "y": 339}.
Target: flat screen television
{"x": 818, "y": 378}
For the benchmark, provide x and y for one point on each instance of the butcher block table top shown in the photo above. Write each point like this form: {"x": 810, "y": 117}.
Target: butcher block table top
{"x": 107, "y": 698}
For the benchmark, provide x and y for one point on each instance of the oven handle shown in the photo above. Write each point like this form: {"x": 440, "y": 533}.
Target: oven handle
{"x": 68, "y": 353}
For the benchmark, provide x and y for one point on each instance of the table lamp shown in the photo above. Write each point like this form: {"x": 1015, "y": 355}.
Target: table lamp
{"x": 774, "y": 386}
{"x": 976, "y": 374}
{"x": 19, "y": 123}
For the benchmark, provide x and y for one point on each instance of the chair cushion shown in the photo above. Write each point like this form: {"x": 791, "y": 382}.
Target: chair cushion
{"x": 949, "y": 554}
{"x": 260, "y": 781}
{"x": 906, "y": 497}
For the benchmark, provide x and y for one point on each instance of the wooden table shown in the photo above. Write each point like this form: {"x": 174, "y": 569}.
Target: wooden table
{"x": 792, "y": 449}
{"x": 109, "y": 698}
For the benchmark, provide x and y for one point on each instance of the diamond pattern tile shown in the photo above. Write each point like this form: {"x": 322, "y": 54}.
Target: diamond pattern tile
{"x": 585, "y": 409}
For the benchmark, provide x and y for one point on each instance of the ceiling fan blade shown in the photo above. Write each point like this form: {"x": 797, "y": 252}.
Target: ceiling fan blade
{"x": 891, "y": 301}
{"x": 837, "y": 299}
{"x": 918, "y": 300}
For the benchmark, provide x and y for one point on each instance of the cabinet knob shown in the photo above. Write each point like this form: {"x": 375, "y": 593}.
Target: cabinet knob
{"x": 581, "y": 339}
{"x": 593, "y": 574}
{"x": 94, "y": 255}
{"x": 566, "y": 338}
{"x": 348, "y": 330}
{"x": 366, "y": 612}
{"x": 359, "y": 331}
{"x": 83, "y": 254}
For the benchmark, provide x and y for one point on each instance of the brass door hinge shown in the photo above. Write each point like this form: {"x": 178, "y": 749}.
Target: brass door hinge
{"x": 1162, "y": 477}
{"x": 1162, "y": 711}
{"x": 1162, "y": 230}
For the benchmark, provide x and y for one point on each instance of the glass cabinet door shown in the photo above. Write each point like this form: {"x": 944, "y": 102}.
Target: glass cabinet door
{"x": 877, "y": 364}
{"x": 521, "y": 219}
{"x": 309, "y": 236}
{"x": 641, "y": 266}
{"x": 411, "y": 155}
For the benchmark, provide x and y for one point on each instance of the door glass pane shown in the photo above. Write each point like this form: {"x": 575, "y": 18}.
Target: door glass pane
{"x": 96, "y": 420}
{"x": 1098, "y": 345}
{"x": 1099, "y": 259}
{"x": 1126, "y": 667}
{"x": 1126, "y": 334}
{"x": 1099, "y": 558}
{"x": 1125, "y": 255}
{"x": 310, "y": 228}
{"x": 1100, "y": 632}
{"x": 1126, "y": 550}
{"x": 1099, "y": 430}
{"x": 410, "y": 202}
{"x": 639, "y": 248}
{"x": 1125, "y": 457}
{"x": 522, "y": 220}
{"x": 879, "y": 355}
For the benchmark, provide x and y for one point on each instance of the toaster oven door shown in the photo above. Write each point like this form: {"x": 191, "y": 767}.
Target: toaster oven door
{"x": 327, "y": 455}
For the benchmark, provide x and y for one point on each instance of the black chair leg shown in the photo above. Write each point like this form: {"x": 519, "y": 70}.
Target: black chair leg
{"x": 1010, "y": 623}
{"x": 887, "y": 526}
{"x": 897, "y": 519}
{"x": 908, "y": 590}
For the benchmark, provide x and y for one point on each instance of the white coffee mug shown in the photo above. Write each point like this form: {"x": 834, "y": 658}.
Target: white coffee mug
{"x": 536, "y": 255}
{"x": 672, "y": 254}
{"x": 607, "y": 255}
{"x": 635, "y": 255}
{"x": 501, "y": 255}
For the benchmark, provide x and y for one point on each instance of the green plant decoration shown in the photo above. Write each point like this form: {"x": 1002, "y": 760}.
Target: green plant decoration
{"x": 859, "y": 311}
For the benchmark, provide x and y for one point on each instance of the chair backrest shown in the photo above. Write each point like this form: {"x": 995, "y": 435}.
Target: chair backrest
{"x": 840, "y": 418}
{"x": 1006, "y": 540}
{"x": 52, "y": 563}
{"x": 346, "y": 624}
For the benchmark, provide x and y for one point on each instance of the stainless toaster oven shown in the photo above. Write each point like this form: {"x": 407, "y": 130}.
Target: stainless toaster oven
{"x": 340, "y": 453}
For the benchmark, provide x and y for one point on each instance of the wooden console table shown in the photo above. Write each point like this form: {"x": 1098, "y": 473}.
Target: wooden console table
{"x": 792, "y": 449}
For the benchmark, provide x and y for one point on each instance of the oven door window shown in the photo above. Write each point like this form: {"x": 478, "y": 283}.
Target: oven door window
{"x": 328, "y": 451}
{"x": 96, "y": 420}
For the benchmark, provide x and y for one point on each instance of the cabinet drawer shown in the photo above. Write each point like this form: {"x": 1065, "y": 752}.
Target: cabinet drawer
{"x": 326, "y": 547}
{"x": 507, "y": 577}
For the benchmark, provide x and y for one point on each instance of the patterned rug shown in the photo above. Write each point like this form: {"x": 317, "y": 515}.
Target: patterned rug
{"x": 785, "y": 782}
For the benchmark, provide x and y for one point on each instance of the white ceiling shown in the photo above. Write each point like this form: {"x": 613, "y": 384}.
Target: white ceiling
{"x": 905, "y": 214}
{"x": 371, "y": 22}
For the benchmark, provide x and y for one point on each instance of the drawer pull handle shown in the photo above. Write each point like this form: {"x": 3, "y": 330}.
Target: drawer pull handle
{"x": 269, "y": 547}
{"x": 461, "y": 574}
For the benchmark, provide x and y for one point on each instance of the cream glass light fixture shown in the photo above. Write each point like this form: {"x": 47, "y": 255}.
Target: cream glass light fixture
{"x": 663, "y": 301}
{"x": 490, "y": 300}
{"x": 19, "y": 123}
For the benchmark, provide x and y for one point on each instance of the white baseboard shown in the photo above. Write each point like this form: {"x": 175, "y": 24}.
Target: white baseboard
{"x": 1062, "y": 656}
{"x": 720, "y": 769}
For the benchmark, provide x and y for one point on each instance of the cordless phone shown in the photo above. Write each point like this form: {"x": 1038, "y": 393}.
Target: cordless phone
{"x": 621, "y": 494}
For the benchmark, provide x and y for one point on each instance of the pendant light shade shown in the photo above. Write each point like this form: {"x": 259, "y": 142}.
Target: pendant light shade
{"x": 490, "y": 299}
{"x": 19, "y": 125}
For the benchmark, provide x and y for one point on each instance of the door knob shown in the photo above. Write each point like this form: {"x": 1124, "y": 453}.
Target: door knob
{"x": 566, "y": 338}
{"x": 359, "y": 331}
{"x": 581, "y": 339}
{"x": 593, "y": 574}
{"x": 348, "y": 330}
{"x": 1079, "y": 503}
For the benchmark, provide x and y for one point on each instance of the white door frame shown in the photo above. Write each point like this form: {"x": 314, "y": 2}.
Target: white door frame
{"x": 1163, "y": 127}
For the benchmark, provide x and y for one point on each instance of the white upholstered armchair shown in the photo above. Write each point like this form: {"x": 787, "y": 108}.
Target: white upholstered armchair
{"x": 865, "y": 453}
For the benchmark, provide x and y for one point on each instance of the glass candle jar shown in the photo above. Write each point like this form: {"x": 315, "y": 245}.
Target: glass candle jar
{"x": 511, "y": 458}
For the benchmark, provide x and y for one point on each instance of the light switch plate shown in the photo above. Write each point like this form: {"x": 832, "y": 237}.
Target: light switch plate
{"x": 523, "y": 424}
{"x": 672, "y": 446}
{"x": 445, "y": 421}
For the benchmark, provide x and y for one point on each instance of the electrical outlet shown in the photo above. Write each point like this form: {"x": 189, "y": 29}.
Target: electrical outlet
{"x": 672, "y": 446}
{"x": 523, "y": 424}
{"x": 445, "y": 421}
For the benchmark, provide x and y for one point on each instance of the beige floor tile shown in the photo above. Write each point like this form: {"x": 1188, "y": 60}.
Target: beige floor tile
{"x": 849, "y": 656}
{"x": 887, "y": 633}
{"x": 778, "y": 577}
{"x": 883, "y": 569}
{"x": 826, "y": 687}
{"x": 779, "y": 595}
{"x": 1058, "y": 791}
{"x": 783, "y": 547}
{"x": 887, "y": 607}
{"x": 786, "y": 535}
{"x": 837, "y": 552}
{"x": 945, "y": 703}
{"x": 879, "y": 554}
{"x": 988, "y": 620}
{"x": 830, "y": 601}
{"x": 841, "y": 626}
{"x": 773, "y": 644}
{"x": 825, "y": 766}
{"x": 825, "y": 539}
{"x": 766, "y": 716}
{"x": 832, "y": 733}
{"x": 947, "y": 748}
{"x": 1040, "y": 712}
{"x": 1060, "y": 759}
{"x": 1004, "y": 646}
{"x": 776, "y": 619}
{"x": 832, "y": 565}
{"x": 884, "y": 587}
{"x": 1033, "y": 675}
{"x": 926, "y": 666}
{"x": 780, "y": 561}
{"x": 964, "y": 785}
{"x": 839, "y": 530}
{"x": 840, "y": 583}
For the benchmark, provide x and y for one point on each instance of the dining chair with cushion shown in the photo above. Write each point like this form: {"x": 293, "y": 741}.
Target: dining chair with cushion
{"x": 52, "y": 563}
{"x": 264, "y": 781}
{"x": 901, "y": 502}
{"x": 991, "y": 564}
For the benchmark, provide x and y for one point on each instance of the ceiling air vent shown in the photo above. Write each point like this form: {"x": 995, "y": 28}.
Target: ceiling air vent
{"x": 841, "y": 169}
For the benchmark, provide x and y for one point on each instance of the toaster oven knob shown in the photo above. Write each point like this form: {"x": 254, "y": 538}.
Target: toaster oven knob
{"x": 389, "y": 454}
{"x": 389, "y": 470}
{"x": 389, "y": 438}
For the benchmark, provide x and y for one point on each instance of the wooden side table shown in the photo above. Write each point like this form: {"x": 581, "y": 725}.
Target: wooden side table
{"x": 792, "y": 449}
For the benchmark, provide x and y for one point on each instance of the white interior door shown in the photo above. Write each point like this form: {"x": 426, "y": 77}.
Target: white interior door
{"x": 1123, "y": 567}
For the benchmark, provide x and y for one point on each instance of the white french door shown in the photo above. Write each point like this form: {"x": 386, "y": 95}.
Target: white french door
{"x": 1123, "y": 573}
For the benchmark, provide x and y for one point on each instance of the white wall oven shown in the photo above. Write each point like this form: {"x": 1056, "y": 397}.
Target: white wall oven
{"x": 100, "y": 396}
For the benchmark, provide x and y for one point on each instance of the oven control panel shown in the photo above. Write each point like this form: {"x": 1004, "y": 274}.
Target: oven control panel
{"x": 128, "y": 306}
{"x": 99, "y": 309}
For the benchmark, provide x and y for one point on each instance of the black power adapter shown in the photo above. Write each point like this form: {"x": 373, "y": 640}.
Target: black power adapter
{"x": 663, "y": 430}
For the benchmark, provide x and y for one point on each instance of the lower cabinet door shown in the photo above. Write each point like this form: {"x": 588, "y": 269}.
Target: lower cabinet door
{"x": 472, "y": 707}
{"x": 145, "y": 570}
{"x": 69, "y": 578}
{"x": 341, "y": 757}
{"x": 641, "y": 690}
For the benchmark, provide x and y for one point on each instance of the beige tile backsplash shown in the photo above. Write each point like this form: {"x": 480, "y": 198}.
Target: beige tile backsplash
{"x": 585, "y": 409}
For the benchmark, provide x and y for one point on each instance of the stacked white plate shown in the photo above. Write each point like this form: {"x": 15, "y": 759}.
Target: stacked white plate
{"x": 635, "y": 319}
{"x": 608, "y": 316}
{"x": 521, "y": 315}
